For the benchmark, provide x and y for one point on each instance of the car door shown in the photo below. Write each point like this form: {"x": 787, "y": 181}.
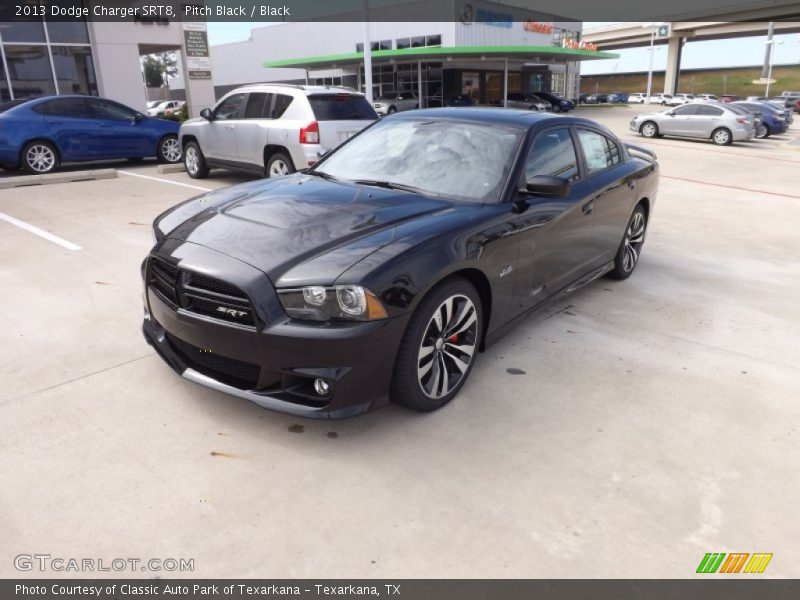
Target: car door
{"x": 679, "y": 120}
{"x": 556, "y": 232}
{"x": 120, "y": 130}
{"x": 251, "y": 134}
{"x": 706, "y": 120}
{"x": 613, "y": 182}
{"x": 71, "y": 127}
{"x": 220, "y": 135}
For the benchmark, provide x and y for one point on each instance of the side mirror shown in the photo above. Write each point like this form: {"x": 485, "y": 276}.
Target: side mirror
{"x": 206, "y": 114}
{"x": 138, "y": 118}
{"x": 548, "y": 186}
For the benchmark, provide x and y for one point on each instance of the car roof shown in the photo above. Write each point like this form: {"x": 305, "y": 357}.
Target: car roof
{"x": 307, "y": 89}
{"x": 498, "y": 116}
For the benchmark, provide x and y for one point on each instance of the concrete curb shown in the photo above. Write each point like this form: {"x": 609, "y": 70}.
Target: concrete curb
{"x": 173, "y": 168}
{"x": 25, "y": 180}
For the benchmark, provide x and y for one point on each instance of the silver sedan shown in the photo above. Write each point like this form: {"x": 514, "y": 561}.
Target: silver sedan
{"x": 720, "y": 123}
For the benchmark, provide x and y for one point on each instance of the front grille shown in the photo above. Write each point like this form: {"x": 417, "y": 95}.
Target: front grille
{"x": 200, "y": 294}
{"x": 164, "y": 279}
{"x": 239, "y": 374}
{"x": 208, "y": 296}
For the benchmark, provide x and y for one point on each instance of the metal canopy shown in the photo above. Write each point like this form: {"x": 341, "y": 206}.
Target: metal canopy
{"x": 532, "y": 54}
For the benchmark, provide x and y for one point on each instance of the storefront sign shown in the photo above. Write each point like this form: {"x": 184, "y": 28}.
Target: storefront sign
{"x": 537, "y": 27}
{"x": 575, "y": 45}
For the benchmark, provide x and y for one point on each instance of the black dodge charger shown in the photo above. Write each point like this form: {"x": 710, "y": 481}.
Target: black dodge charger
{"x": 380, "y": 273}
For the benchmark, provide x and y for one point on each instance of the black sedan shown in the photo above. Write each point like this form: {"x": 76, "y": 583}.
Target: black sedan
{"x": 381, "y": 272}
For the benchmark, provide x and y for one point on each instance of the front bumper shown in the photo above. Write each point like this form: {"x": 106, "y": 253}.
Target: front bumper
{"x": 274, "y": 363}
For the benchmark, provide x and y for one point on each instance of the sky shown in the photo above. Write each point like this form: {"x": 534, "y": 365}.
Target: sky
{"x": 717, "y": 53}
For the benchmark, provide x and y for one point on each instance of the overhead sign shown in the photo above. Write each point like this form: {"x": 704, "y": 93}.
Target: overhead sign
{"x": 663, "y": 30}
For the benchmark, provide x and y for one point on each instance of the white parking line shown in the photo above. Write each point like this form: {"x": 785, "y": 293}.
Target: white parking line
{"x": 188, "y": 185}
{"x": 40, "y": 232}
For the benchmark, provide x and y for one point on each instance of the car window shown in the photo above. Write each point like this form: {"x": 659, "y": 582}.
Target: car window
{"x": 597, "y": 151}
{"x": 106, "y": 109}
{"x": 709, "y": 111}
{"x": 737, "y": 109}
{"x": 552, "y": 153}
{"x": 64, "y": 107}
{"x": 258, "y": 105}
{"x": 341, "y": 107}
{"x": 282, "y": 102}
{"x": 685, "y": 110}
{"x": 230, "y": 108}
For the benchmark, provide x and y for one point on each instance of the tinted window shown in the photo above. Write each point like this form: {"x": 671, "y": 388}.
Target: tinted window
{"x": 106, "y": 109}
{"x": 389, "y": 96}
{"x": 433, "y": 40}
{"x": 74, "y": 69}
{"x": 28, "y": 68}
{"x": 282, "y": 102}
{"x": 258, "y": 105}
{"x": 64, "y": 107}
{"x": 341, "y": 107}
{"x": 597, "y": 150}
{"x": 418, "y": 42}
{"x": 706, "y": 110}
{"x": 552, "y": 153}
{"x": 689, "y": 109}
{"x": 67, "y": 32}
{"x": 403, "y": 43}
{"x": 230, "y": 108}
{"x": 11, "y": 104}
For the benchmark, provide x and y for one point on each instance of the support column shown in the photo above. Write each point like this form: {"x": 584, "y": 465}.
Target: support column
{"x": 419, "y": 83}
{"x": 673, "y": 70}
{"x": 505, "y": 82}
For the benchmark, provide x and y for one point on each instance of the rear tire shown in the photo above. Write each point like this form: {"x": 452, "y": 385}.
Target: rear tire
{"x": 194, "y": 162}
{"x": 279, "y": 164}
{"x": 439, "y": 347}
{"x": 630, "y": 248}
{"x": 39, "y": 158}
{"x": 762, "y": 132}
{"x": 721, "y": 137}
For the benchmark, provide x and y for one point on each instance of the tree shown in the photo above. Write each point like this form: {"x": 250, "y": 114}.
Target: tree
{"x": 158, "y": 67}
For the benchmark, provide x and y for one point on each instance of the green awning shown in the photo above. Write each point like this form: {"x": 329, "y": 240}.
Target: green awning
{"x": 518, "y": 53}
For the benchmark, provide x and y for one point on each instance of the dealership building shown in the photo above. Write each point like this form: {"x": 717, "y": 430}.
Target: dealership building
{"x": 487, "y": 54}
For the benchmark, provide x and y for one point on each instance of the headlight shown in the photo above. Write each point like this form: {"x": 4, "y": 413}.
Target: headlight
{"x": 319, "y": 303}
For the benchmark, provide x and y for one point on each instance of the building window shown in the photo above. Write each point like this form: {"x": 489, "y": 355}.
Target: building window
{"x": 74, "y": 70}
{"x": 386, "y": 45}
{"x": 29, "y": 71}
{"x": 27, "y": 32}
{"x": 433, "y": 40}
{"x": 5, "y": 94}
{"x": 67, "y": 32}
{"x": 558, "y": 84}
{"x": 359, "y": 47}
{"x": 403, "y": 43}
{"x": 418, "y": 42}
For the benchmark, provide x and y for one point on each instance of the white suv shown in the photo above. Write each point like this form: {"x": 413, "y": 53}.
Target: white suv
{"x": 272, "y": 129}
{"x": 637, "y": 98}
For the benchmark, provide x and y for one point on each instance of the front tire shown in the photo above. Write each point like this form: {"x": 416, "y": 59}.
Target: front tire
{"x": 39, "y": 158}
{"x": 169, "y": 150}
{"x": 391, "y": 110}
{"x": 194, "y": 162}
{"x": 721, "y": 137}
{"x": 557, "y": 108}
{"x": 649, "y": 129}
{"x": 279, "y": 164}
{"x": 631, "y": 246}
{"x": 439, "y": 347}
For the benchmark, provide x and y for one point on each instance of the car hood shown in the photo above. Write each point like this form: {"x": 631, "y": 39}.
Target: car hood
{"x": 299, "y": 229}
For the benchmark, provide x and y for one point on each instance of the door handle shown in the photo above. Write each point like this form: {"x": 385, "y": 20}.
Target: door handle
{"x": 588, "y": 208}
{"x": 631, "y": 183}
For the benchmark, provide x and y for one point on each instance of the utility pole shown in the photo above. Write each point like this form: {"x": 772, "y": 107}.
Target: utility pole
{"x": 367, "y": 54}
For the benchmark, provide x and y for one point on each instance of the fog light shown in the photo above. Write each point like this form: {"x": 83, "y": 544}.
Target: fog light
{"x": 322, "y": 387}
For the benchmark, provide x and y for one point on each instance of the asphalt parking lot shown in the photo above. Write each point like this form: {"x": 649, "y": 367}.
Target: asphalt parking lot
{"x": 626, "y": 431}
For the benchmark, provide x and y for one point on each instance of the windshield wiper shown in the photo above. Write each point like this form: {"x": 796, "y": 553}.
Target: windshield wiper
{"x": 389, "y": 185}
{"x": 322, "y": 174}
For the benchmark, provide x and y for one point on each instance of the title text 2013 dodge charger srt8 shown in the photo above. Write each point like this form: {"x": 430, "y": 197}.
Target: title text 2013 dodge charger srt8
{"x": 382, "y": 271}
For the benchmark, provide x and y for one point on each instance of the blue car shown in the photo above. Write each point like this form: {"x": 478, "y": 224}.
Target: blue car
{"x": 773, "y": 118}
{"x": 40, "y": 134}
{"x": 558, "y": 104}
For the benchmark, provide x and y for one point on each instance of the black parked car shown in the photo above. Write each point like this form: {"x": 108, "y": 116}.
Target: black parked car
{"x": 382, "y": 271}
{"x": 558, "y": 104}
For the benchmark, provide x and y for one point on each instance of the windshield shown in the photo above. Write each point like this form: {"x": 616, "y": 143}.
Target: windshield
{"x": 454, "y": 159}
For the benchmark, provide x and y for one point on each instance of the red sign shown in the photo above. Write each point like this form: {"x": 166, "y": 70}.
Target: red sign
{"x": 537, "y": 27}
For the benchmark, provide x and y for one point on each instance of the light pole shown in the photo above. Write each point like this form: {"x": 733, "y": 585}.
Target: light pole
{"x": 771, "y": 46}
{"x": 652, "y": 27}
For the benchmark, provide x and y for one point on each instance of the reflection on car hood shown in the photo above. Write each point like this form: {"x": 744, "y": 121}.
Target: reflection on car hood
{"x": 276, "y": 225}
